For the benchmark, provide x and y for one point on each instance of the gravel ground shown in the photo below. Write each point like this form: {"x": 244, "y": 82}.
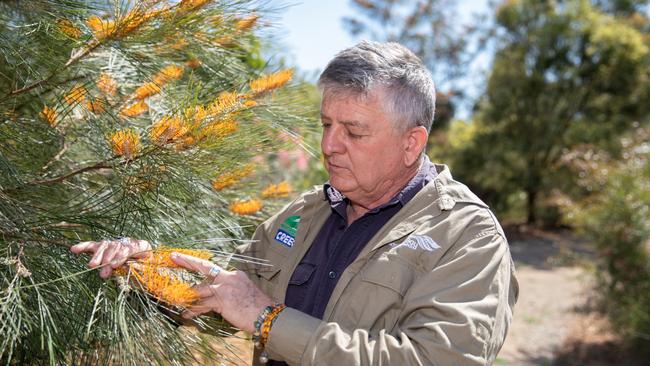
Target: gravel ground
{"x": 553, "y": 289}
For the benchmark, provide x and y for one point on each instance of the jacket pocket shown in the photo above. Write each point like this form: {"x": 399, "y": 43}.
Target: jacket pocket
{"x": 377, "y": 298}
{"x": 389, "y": 272}
{"x": 302, "y": 274}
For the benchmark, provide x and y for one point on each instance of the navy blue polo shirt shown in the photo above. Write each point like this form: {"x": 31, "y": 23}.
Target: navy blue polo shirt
{"x": 337, "y": 245}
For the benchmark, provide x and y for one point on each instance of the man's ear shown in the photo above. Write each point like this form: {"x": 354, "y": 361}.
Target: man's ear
{"x": 415, "y": 140}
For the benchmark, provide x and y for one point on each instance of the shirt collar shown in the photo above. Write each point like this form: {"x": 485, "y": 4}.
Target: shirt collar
{"x": 426, "y": 173}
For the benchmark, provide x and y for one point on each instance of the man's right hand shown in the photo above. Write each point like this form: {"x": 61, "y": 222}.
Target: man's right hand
{"x": 111, "y": 254}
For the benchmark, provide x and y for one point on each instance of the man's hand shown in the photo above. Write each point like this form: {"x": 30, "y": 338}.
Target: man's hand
{"x": 111, "y": 254}
{"x": 230, "y": 293}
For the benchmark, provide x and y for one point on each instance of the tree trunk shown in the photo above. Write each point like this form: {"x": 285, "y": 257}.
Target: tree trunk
{"x": 531, "y": 193}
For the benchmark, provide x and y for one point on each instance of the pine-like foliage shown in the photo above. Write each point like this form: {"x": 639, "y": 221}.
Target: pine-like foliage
{"x": 148, "y": 119}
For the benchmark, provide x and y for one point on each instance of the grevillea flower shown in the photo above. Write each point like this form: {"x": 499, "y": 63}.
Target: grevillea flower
{"x": 228, "y": 179}
{"x": 100, "y": 28}
{"x": 248, "y": 207}
{"x": 218, "y": 130}
{"x": 49, "y": 115}
{"x": 161, "y": 256}
{"x": 69, "y": 29}
{"x": 131, "y": 21}
{"x": 135, "y": 110}
{"x": 270, "y": 82}
{"x": 225, "y": 102}
{"x": 168, "y": 129}
{"x": 191, "y": 5}
{"x": 146, "y": 90}
{"x": 76, "y": 95}
{"x": 125, "y": 143}
{"x": 281, "y": 189}
{"x": 193, "y": 63}
{"x": 168, "y": 73}
{"x": 106, "y": 84}
{"x": 246, "y": 23}
{"x": 164, "y": 285}
{"x": 96, "y": 106}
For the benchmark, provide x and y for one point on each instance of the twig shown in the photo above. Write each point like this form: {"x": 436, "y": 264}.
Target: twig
{"x": 97, "y": 166}
{"x": 74, "y": 59}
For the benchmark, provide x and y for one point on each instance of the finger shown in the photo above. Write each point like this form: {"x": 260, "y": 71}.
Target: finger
{"x": 105, "y": 272}
{"x": 121, "y": 256}
{"x": 192, "y": 263}
{"x": 207, "y": 290}
{"x": 85, "y": 246}
{"x": 109, "y": 254}
{"x": 96, "y": 260}
{"x": 196, "y": 310}
{"x": 143, "y": 250}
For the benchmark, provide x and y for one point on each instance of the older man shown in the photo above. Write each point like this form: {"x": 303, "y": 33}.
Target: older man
{"x": 391, "y": 262}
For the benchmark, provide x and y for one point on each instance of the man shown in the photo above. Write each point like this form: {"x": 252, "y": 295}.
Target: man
{"x": 391, "y": 262}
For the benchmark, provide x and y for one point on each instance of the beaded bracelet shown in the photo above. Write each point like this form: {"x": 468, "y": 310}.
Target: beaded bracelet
{"x": 268, "y": 322}
{"x": 258, "y": 325}
{"x": 263, "y": 328}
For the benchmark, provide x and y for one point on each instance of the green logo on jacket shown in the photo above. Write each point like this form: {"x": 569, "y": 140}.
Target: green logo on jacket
{"x": 290, "y": 225}
{"x": 286, "y": 235}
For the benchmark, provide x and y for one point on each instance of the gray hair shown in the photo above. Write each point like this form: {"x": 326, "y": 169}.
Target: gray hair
{"x": 410, "y": 92}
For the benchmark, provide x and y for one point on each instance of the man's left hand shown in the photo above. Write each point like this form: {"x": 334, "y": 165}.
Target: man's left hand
{"x": 230, "y": 293}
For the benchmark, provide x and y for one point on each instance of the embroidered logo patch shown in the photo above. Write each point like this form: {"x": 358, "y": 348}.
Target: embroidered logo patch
{"x": 421, "y": 242}
{"x": 286, "y": 234}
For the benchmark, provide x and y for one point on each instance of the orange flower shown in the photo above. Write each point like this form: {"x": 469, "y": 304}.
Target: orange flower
{"x": 106, "y": 84}
{"x": 228, "y": 179}
{"x": 164, "y": 285}
{"x": 281, "y": 189}
{"x": 270, "y": 82}
{"x": 225, "y": 42}
{"x": 135, "y": 110}
{"x": 218, "y": 130}
{"x": 49, "y": 115}
{"x": 225, "y": 102}
{"x": 131, "y": 21}
{"x": 161, "y": 256}
{"x": 168, "y": 129}
{"x": 146, "y": 90}
{"x": 66, "y": 27}
{"x": 246, "y": 207}
{"x": 246, "y": 23}
{"x": 170, "y": 72}
{"x": 96, "y": 106}
{"x": 76, "y": 95}
{"x": 125, "y": 143}
{"x": 193, "y": 63}
{"x": 191, "y": 5}
{"x": 100, "y": 28}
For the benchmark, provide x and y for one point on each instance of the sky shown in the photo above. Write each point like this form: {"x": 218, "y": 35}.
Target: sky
{"x": 313, "y": 30}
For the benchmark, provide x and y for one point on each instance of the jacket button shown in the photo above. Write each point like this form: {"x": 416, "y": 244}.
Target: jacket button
{"x": 331, "y": 275}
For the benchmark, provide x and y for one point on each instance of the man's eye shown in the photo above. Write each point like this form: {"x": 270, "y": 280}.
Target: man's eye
{"x": 354, "y": 136}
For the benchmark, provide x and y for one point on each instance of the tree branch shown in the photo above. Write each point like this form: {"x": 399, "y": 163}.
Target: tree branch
{"x": 97, "y": 166}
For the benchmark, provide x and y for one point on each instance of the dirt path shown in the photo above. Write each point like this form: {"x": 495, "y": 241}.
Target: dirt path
{"x": 553, "y": 288}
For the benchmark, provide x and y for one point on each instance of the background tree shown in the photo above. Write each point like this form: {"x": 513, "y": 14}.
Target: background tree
{"x": 429, "y": 28}
{"x": 127, "y": 118}
{"x": 565, "y": 73}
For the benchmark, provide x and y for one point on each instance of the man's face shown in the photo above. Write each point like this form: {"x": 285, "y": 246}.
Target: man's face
{"x": 363, "y": 152}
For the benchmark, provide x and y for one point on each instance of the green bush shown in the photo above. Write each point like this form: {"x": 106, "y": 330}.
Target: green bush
{"x": 616, "y": 217}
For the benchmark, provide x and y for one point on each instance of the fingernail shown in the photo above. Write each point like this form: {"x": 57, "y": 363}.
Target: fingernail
{"x": 174, "y": 255}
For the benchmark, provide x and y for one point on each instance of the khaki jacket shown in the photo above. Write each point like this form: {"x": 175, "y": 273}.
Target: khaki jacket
{"x": 435, "y": 286}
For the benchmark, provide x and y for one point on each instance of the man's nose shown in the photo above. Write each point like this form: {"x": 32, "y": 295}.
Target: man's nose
{"x": 331, "y": 141}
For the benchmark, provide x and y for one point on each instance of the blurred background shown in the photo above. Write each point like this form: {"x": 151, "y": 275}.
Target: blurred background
{"x": 543, "y": 112}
